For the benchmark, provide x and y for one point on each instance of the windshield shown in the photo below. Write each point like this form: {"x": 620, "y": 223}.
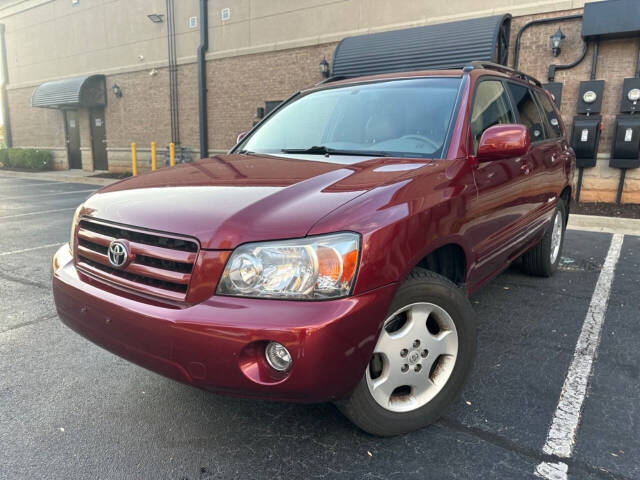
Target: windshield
{"x": 400, "y": 118}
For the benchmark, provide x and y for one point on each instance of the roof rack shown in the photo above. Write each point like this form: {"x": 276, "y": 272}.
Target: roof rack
{"x": 336, "y": 78}
{"x": 505, "y": 69}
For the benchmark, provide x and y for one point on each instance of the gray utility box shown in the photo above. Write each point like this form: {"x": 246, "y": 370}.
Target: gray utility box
{"x": 626, "y": 143}
{"x": 585, "y": 138}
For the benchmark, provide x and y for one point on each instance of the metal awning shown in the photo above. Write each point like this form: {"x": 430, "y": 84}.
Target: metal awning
{"x": 444, "y": 45}
{"x": 88, "y": 91}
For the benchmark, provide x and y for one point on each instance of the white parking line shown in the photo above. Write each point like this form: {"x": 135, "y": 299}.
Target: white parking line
{"x": 562, "y": 433}
{"x": 37, "y": 213}
{"x": 38, "y": 195}
{"x": 24, "y": 250}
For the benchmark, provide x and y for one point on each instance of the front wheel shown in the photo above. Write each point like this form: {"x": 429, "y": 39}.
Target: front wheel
{"x": 421, "y": 360}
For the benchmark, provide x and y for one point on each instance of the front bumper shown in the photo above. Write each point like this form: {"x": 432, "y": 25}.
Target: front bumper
{"x": 219, "y": 344}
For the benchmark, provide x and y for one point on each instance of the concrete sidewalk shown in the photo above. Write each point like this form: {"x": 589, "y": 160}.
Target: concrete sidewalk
{"x": 67, "y": 176}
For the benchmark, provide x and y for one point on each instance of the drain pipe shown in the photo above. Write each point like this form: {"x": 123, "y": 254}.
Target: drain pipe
{"x": 4, "y": 72}
{"x": 202, "y": 78}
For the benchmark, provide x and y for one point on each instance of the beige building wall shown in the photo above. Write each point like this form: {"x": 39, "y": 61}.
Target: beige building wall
{"x": 52, "y": 39}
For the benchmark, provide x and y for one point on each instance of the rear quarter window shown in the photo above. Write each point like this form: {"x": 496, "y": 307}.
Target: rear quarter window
{"x": 528, "y": 112}
{"x": 554, "y": 125}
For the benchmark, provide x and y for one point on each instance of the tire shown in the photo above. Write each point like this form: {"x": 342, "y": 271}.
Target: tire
{"x": 542, "y": 260}
{"x": 447, "y": 315}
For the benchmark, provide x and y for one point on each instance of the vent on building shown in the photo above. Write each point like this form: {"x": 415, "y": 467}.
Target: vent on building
{"x": 225, "y": 14}
{"x": 445, "y": 45}
{"x": 193, "y": 22}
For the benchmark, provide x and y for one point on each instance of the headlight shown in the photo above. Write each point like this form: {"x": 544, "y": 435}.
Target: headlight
{"x": 74, "y": 224}
{"x": 307, "y": 268}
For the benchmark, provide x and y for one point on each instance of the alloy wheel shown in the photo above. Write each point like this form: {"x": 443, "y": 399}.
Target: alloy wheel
{"x": 414, "y": 357}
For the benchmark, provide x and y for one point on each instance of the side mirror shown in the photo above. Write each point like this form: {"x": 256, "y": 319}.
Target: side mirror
{"x": 241, "y": 137}
{"x": 503, "y": 141}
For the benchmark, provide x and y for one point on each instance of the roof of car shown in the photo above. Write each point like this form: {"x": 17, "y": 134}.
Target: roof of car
{"x": 477, "y": 70}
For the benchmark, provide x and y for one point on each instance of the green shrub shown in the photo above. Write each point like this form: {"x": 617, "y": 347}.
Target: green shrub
{"x": 29, "y": 159}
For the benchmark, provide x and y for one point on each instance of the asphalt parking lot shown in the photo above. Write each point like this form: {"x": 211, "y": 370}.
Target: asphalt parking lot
{"x": 69, "y": 409}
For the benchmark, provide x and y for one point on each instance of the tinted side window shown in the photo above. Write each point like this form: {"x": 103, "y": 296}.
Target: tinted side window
{"x": 527, "y": 111}
{"x": 490, "y": 107}
{"x": 553, "y": 124}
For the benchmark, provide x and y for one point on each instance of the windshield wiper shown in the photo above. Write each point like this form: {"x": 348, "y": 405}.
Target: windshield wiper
{"x": 322, "y": 150}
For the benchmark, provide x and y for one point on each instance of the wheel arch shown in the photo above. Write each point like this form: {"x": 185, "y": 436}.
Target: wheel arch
{"x": 448, "y": 259}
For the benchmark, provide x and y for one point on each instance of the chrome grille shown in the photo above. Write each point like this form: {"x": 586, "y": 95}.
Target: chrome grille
{"x": 161, "y": 265}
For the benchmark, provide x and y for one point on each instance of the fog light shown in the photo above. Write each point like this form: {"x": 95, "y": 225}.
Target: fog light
{"x": 277, "y": 356}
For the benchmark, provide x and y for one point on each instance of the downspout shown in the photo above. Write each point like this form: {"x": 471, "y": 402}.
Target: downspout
{"x": 202, "y": 78}
{"x": 4, "y": 72}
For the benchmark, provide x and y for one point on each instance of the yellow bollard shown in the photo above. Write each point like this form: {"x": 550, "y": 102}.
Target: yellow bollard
{"x": 154, "y": 163}
{"x": 172, "y": 154}
{"x": 134, "y": 159}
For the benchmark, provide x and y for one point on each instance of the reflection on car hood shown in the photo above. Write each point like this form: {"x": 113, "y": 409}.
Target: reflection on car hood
{"x": 231, "y": 199}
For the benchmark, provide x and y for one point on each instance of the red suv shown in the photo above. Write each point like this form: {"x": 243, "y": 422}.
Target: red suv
{"x": 329, "y": 255}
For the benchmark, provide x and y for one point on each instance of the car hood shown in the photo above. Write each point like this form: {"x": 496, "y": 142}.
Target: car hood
{"x": 232, "y": 199}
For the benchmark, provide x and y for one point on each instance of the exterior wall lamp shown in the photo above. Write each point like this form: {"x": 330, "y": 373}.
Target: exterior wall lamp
{"x": 155, "y": 17}
{"x": 556, "y": 41}
{"x": 324, "y": 68}
{"x": 117, "y": 91}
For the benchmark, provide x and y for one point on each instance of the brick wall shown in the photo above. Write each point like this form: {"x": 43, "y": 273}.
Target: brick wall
{"x": 141, "y": 115}
{"x": 238, "y": 85}
{"x": 34, "y": 127}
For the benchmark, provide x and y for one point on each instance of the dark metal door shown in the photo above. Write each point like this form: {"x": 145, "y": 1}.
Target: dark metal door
{"x": 72, "y": 128}
{"x": 98, "y": 139}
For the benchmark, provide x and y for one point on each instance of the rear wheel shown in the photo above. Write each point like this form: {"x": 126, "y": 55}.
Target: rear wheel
{"x": 542, "y": 260}
{"x": 421, "y": 360}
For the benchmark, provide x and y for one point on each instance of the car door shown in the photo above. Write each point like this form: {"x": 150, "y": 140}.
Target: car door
{"x": 500, "y": 204}
{"x": 543, "y": 150}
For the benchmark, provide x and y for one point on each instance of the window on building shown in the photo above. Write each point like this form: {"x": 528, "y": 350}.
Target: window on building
{"x": 490, "y": 107}
{"x": 528, "y": 112}
{"x": 553, "y": 122}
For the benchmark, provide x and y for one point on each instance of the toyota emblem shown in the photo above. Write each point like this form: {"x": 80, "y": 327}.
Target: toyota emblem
{"x": 118, "y": 254}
